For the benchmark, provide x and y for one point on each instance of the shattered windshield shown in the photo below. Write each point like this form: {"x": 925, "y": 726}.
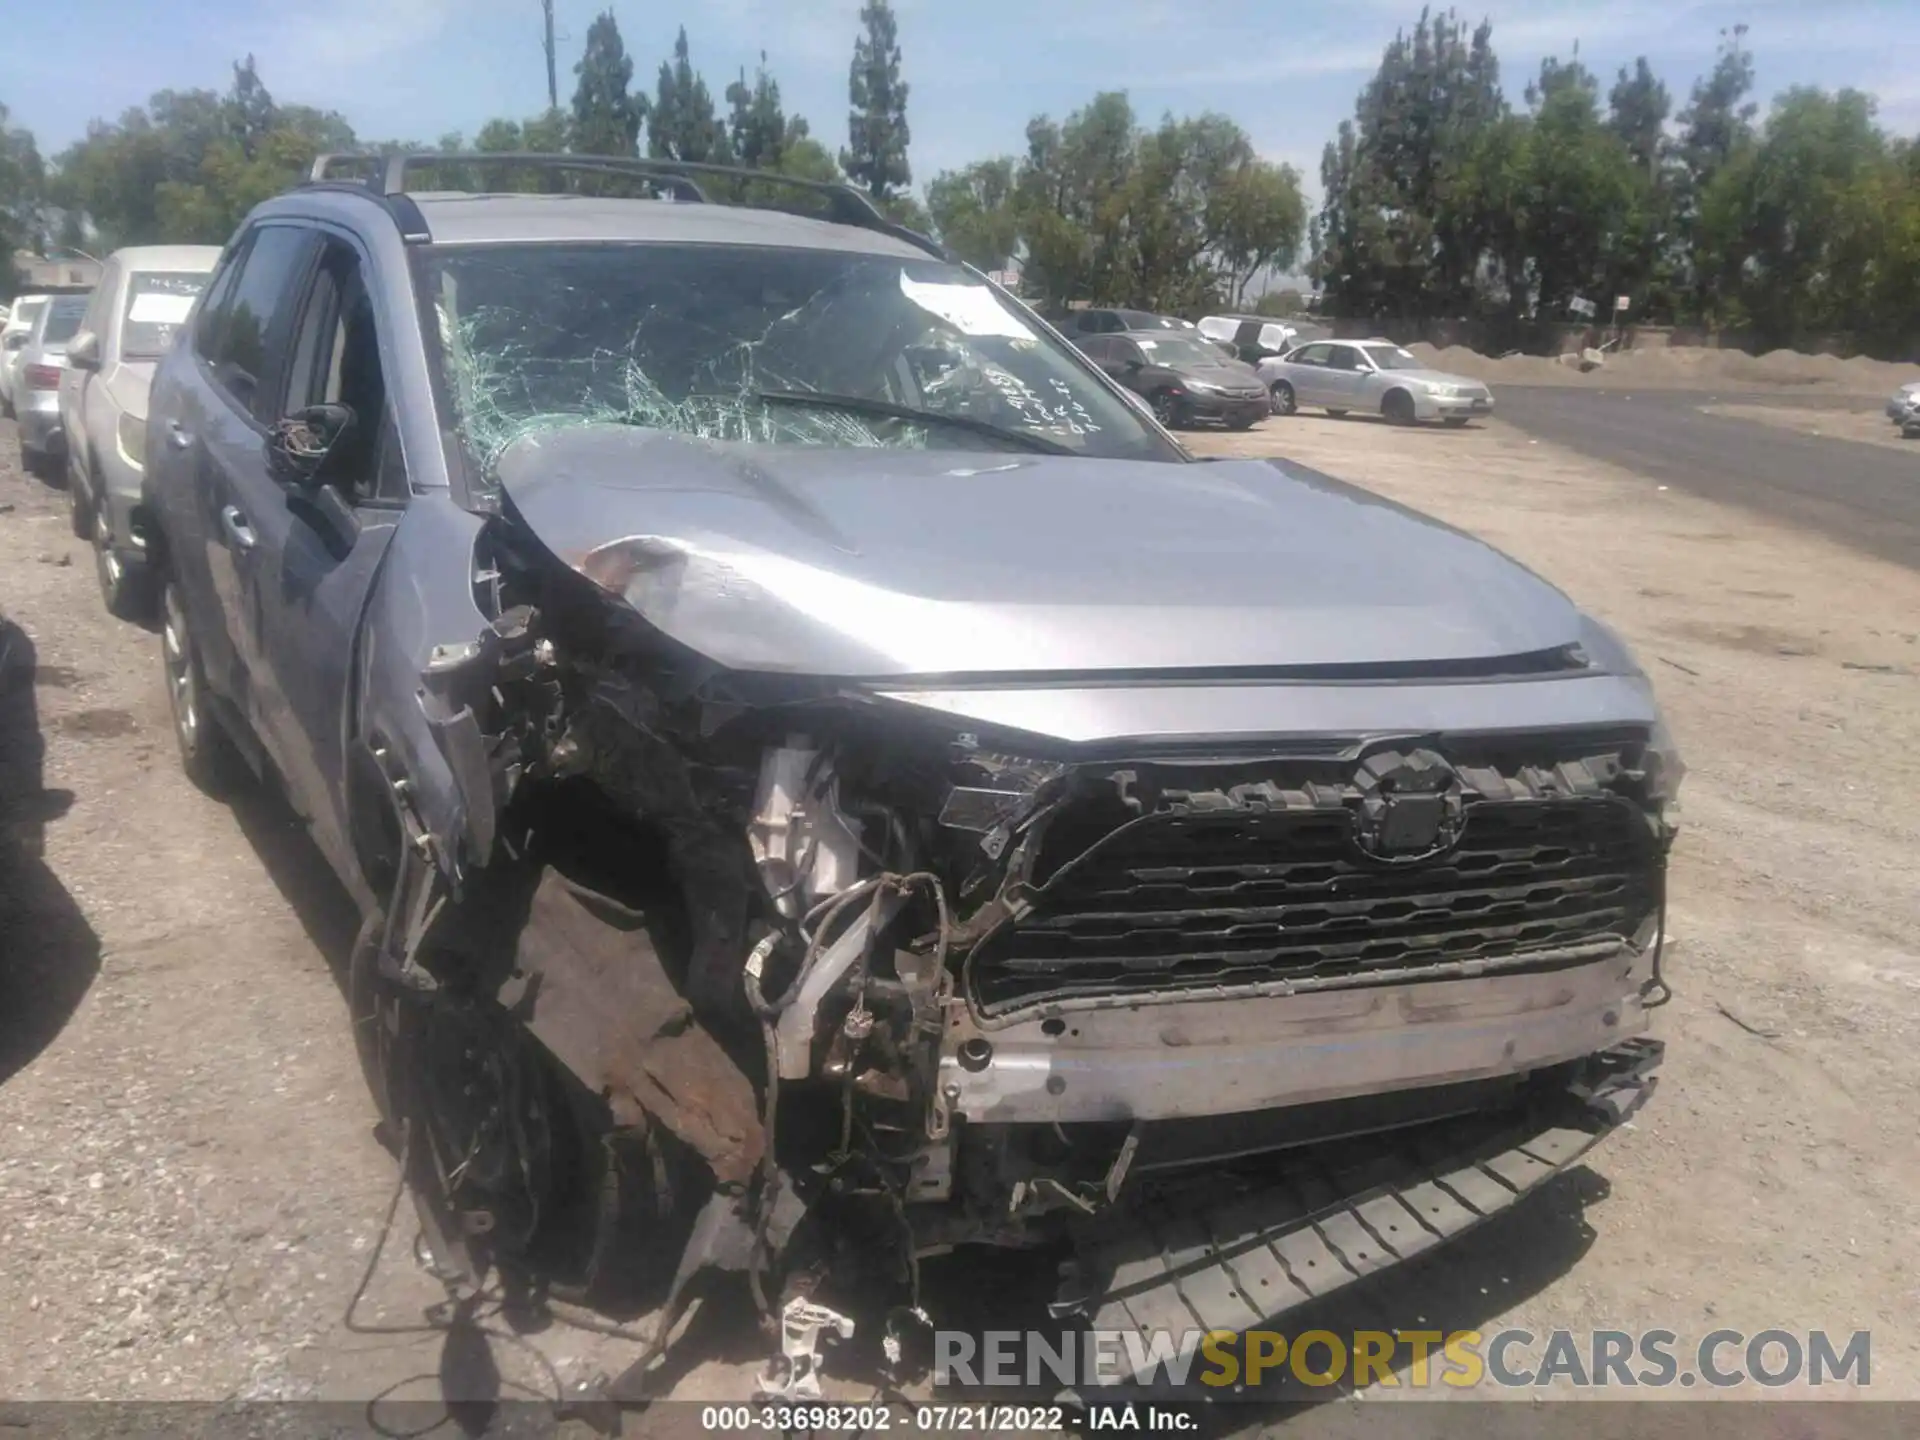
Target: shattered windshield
{"x": 759, "y": 345}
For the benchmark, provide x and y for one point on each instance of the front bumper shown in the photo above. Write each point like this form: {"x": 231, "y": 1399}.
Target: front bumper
{"x": 117, "y": 493}
{"x": 1233, "y": 1252}
{"x": 1228, "y": 408}
{"x": 1243, "y": 1054}
{"x": 1437, "y": 407}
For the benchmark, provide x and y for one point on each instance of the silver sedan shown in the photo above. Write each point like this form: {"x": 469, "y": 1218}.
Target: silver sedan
{"x": 1373, "y": 376}
{"x": 1904, "y": 407}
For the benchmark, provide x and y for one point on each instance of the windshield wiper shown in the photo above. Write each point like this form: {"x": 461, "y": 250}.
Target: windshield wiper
{"x": 887, "y": 410}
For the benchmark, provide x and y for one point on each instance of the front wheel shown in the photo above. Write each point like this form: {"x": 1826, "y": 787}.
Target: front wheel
{"x": 1168, "y": 410}
{"x": 1285, "y": 402}
{"x": 123, "y": 588}
{"x": 1398, "y": 408}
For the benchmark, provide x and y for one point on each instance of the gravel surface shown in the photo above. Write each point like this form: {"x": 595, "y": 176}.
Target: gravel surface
{"x": 1866, "y": 422}
{"x": 190, "y": 1187}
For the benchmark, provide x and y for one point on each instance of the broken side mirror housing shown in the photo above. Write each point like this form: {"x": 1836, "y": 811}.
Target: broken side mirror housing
{"x": 83, "y": 351}
{"x": 298, "y": 444}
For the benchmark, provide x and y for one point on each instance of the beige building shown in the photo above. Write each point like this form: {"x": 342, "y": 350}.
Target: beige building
{"x": 35, "y": 272}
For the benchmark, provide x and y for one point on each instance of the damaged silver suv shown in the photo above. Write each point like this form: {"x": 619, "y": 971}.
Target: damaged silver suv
{"x": 828, "y": 780}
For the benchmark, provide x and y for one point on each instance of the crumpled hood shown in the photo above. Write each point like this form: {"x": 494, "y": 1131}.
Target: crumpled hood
{"x": 897, "y": 562}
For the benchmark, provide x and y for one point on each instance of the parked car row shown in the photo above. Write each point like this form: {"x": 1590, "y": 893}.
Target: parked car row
{"x": 14, "y": 336}
{"x": 143, "y": 297}
{"x": 1234, "y": 369}
{"x": 74, "y": 372}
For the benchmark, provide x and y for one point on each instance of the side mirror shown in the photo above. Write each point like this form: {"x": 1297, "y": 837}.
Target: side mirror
{"x": 83, "y": 351}
{"x": 17, "y": 341}
{"x": 1133, "y": 366}
{"x": 298, "y": 445}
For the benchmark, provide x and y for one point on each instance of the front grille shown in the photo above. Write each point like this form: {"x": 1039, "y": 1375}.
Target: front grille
{"x": 1183, "y": 901}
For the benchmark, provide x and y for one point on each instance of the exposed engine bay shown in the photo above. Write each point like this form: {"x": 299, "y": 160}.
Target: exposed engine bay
{"x": 782, "y": 979}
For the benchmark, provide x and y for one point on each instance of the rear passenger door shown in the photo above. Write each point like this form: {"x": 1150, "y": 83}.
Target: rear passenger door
{"x": 317, "y": 545}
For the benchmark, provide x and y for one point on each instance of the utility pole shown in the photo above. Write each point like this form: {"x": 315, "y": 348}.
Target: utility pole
{"x": 553, "y": 81}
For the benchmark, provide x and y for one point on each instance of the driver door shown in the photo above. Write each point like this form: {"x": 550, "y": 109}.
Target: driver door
{"x": 317, "y": 544}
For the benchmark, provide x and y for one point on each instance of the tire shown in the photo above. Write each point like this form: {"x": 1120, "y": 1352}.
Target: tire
{"x": 79, "y": 511}
{"x": 31, "y": 464}
{"x": 1285, "y": 402}
{"x": 1336, "y": 414}
{"x": 1398, "y": 407}
{"x": 125, "y": 590}
{"x": 206, "y": 751}
{"x": 1168, "y": 410}
{"x": 1453, "y": 422}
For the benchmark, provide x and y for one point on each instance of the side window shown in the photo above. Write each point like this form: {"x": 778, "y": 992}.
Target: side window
{"x": 1096, "y": 348}
{"x": 1341, "y": 357}
{"x": 1311, "y": 355}
{"x": 1125, "y": 352}
{"x": 213, "y": 309}
{"x": 334, "y": 359}
{"x": 274, "y": 263}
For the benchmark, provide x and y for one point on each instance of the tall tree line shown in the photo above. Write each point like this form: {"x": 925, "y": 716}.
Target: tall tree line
{"x": 1446, "y": 194}
{"x": 1443, "y": 198}
{"x": 187, "y": 165}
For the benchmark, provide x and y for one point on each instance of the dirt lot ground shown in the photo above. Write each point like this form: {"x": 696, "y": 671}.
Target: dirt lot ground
{"x": 1685, "y": 367}
{"x": 1862, "y": 421}
{"x": 189, "y": 1187}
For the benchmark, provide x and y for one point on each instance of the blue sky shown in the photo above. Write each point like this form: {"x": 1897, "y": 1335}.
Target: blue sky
{"x": 1288, "y": 72}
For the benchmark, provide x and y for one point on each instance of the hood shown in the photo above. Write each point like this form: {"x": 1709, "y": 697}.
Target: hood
{"x": 129, "y": 384}
{"x": 1436, "y": 377}
{"x": 922, "y": 563}
{"x": 1232, "y": 373}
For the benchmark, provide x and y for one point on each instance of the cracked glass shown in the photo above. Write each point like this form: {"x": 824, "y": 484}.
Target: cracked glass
{"x": 758, "y": 345}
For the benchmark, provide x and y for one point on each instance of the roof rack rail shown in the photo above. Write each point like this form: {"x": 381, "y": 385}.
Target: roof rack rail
{"x": 386, "y": 175}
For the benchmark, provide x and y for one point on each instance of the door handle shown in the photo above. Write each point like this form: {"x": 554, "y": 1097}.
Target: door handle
{"x": 178, "y": 438}
{"x": 239, "y": 533}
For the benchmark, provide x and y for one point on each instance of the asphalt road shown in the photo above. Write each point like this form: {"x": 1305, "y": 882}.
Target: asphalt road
{"x": 1865, "y": 496}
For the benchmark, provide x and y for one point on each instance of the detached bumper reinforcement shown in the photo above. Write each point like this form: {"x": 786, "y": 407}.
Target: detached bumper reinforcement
{"x": 1199, "y": 1254}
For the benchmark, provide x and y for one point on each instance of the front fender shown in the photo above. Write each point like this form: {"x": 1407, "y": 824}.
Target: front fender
{"x": 423, "y": 604}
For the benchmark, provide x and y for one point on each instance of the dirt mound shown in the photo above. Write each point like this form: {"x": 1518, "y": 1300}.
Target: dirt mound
{"x": 1679, "y": 368}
